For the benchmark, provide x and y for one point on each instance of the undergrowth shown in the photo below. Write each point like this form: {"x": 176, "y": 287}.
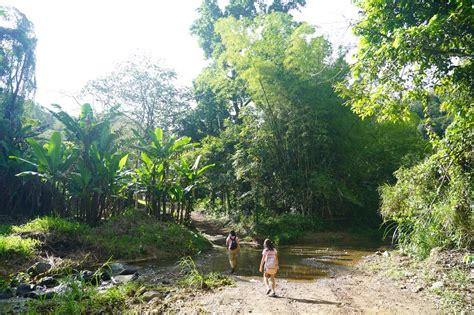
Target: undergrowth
{"x": 194, "y": 278}
{"x": 81, "y": 298}
{"x": 135, "y": 234}
{"x": 127, "y": 236}
{"x": 282, "y": 229}
{"x": 429, "y": 207}
{"x": 52, "y": 225}
{"x": 13, "y": 247}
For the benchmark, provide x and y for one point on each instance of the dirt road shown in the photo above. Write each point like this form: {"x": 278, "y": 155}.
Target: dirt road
{"x": 354, "y": 291}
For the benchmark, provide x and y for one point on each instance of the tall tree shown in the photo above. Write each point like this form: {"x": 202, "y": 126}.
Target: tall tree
{"x": 287, "y": 152}
{"x": 412, "y": 54}
{"x": 210, "y": 13}
{"x": 17, "y": 71}
{"x": 146, "y": 92}
{"x": 17, "y": 83}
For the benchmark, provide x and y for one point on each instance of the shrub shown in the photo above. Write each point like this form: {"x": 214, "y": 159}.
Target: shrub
{"x": 429, "y": 207}
{"x": 286, "y": 227}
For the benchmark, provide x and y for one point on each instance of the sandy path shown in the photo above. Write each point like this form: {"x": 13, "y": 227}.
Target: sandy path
{"x": 356, "y": 291}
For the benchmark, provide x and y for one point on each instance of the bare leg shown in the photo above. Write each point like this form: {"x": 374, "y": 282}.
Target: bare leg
{"x": 273, "y": 283}
{"x": 233, "y": 260}
{"x": 267, "y": 285}
{"x": 265, "y": 279}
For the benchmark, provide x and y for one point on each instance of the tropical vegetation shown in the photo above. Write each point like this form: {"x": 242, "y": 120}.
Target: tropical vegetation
{"x": 279, "y": 127}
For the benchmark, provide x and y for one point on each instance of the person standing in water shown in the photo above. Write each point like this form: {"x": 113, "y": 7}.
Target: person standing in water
{"x": 233, "y": 248}
{"x": 269, "y": 265}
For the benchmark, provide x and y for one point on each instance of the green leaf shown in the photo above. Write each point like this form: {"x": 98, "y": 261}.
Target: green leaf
{"x": 160, "y": 168}
{"x": 180, "y": 143}
{"x": 38, "y": 151}
{"x": 146, "y": 159}
{"x": 202, "y": 170}
{"x": 54, "y": 150}
{"x": 123, "y": 161}
{"x": 23, "y": 160}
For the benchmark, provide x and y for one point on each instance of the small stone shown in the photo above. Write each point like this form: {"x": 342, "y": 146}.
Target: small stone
{"x": 90, "y": 277}
{"x": 155, "y": 301}
{"x": 121, "y": 269}
{"x": 48, "y": 282}
{"x": 24, "y": 288}
{"x": 105, "y": 276}
{"x": 39, "y": 268}
{"x": 378, "y": 253}
{"x": 116, "y": 268}
{"x": 417, "y": 289}
{"x": 124, "y": 278}
{"x": 149, "y": 295}
{"x": 86, "y": 275}
{"x": 437, "y": 285}
{"x": 386, "y": 254}
{"x": 129, "y": 270}
{"x": 403, "y": 287}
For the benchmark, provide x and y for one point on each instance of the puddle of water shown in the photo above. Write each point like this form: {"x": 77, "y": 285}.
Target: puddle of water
{"x": 297, "y": 262}
{"x": 308, "y": 260}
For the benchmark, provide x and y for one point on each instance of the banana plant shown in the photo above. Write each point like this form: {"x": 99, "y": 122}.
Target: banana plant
{"x": 149, "y": 180}
{"x": 99, "y": 174}
{"x": 154, "y": 176}
{"x": 51, "y": 163}
{"x": 189, "y": 176}
{"x": 52, "y": 159}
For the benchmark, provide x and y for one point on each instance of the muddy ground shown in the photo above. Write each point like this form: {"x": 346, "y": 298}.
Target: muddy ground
{"x": 367, "y": 288}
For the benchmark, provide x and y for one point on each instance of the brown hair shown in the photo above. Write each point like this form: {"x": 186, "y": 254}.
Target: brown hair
{"x": 268, "y": 244}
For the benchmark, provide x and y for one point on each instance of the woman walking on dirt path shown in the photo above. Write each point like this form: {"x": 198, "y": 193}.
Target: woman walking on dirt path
{"x": 233, "y": 248}
{"x": 269, "y": 265}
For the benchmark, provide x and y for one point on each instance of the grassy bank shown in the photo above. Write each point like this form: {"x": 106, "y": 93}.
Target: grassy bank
{"x": 132, "y": 235}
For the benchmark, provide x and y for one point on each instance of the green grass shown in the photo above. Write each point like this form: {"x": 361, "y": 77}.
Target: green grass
{"x": 14, "y": 247}
{"x": 195, "y": 279}
{"x": 82, "y": 299}
{"x": 216, "y": 279}
{"x": 131, "y": 235}
{"x": 137, "y": 235}
{"x": 458, "y": 276}
{"x": 52, "y": 225}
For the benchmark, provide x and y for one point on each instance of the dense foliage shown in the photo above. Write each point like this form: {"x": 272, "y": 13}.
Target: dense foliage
{"x": 263, "y": 135}
{"x": 282, "y": 142}
{"x": 416, "y": 55}
{"x": 17, "y": 83}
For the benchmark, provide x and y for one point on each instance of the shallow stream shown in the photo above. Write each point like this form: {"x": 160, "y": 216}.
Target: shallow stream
{"x": 306, "y": 260}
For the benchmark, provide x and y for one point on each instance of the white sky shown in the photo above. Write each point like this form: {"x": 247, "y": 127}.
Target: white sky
{"x": 81, "y": 40}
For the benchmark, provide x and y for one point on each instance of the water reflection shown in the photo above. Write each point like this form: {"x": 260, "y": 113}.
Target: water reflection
{"x": 297, "y": 262}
